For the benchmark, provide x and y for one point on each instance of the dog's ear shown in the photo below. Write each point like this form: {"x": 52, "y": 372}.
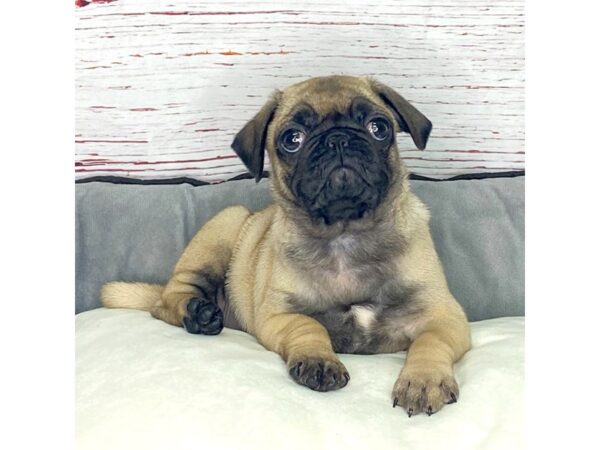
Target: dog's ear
{"x": 409, "y": 118}
{"x": 249, "y": 143}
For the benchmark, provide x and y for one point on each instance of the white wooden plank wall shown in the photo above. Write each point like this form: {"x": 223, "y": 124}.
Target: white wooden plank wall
{"x": 163, "y": 86}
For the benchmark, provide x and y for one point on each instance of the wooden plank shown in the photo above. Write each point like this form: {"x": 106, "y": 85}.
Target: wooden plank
{"x": 162, "y": 87}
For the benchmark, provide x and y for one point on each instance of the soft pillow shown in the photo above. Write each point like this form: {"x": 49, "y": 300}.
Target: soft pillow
{"x": 137, "y": 233}
{"x": 144, "y": 384}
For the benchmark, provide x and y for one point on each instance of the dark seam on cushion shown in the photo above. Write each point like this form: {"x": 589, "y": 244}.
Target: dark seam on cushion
{"x": 247, "y": 176}
{"x": 472, "y": 176}
{"x": 125, "y": 180}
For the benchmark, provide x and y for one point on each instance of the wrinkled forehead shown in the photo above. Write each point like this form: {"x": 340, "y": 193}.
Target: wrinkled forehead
{"x": 325, "y": 96}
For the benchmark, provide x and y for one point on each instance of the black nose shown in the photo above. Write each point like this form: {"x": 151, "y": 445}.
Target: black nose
{"x": 337, "y": 141}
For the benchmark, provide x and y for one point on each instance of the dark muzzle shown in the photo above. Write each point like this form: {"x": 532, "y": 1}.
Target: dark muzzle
{"x": 343, "y": 179}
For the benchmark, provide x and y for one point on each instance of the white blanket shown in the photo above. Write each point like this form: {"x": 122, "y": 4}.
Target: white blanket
{"x": 143, "y": 384}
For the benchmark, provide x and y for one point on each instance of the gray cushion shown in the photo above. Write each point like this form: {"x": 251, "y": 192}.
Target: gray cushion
{"x": 137, "y": 232}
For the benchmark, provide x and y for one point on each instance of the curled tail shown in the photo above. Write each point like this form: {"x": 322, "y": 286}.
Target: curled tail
{"x": 119, "y": 294}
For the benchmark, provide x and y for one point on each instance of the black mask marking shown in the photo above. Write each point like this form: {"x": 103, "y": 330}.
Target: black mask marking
{"x": 342, "y": 171}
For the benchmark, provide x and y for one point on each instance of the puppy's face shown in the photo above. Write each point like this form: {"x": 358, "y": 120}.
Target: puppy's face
{"x": 331, "y": 143}
{"x": 335, "y": 161}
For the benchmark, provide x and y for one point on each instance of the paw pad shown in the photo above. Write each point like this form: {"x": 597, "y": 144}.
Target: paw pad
{"x": 203, "y": 317}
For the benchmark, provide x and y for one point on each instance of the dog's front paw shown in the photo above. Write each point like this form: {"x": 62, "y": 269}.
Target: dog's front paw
{"x": 203, "y": 317}
{"x": 424, "y": 390}
{"x": 318, "y": 373}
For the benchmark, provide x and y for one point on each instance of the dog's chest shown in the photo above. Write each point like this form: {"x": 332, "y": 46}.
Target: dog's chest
{"x": 341, "y": 272}
{"x": 352, "y": 286}
{"x": 360, "y": 301}
{"x": 366, "y": 327}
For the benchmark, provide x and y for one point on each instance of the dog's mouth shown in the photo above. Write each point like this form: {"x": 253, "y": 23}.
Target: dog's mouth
{"x": 343, "y": 194}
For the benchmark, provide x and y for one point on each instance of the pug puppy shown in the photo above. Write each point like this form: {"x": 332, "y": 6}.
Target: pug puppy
{"x": 342, "y": 261}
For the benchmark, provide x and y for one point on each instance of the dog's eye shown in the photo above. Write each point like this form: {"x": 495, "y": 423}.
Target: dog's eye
{"x": 379, "y": 128}
{"x": 292, "y": 140}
